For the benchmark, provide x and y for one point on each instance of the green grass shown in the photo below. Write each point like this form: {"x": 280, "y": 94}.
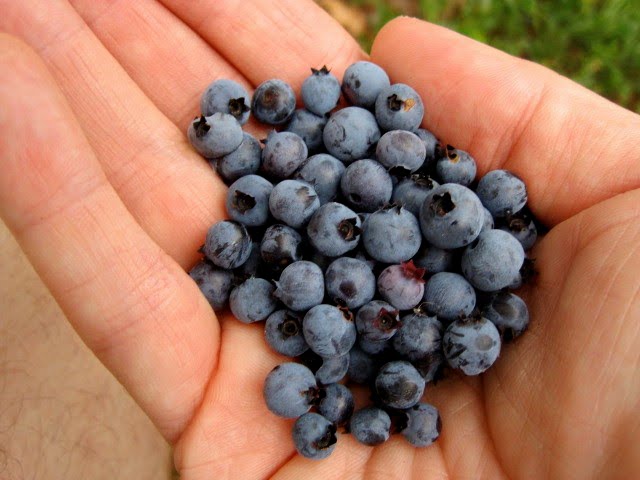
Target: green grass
{"x": 597, "y": 43}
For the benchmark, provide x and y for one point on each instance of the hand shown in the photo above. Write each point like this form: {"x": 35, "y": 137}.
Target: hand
{"x": 109, "y": 202}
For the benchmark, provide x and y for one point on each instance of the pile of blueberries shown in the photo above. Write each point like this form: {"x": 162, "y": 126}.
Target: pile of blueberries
{"x": 366, "y": 245}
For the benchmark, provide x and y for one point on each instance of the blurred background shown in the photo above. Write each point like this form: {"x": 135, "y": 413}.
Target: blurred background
{"x": 594, "y": 42}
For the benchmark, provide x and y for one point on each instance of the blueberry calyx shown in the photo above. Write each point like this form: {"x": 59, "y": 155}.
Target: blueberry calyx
{"x": 442, "y": 204}
{"x": 290, "y": 327}
{"x": 201, "y": 126}
{"x": 411, "y": 271}
{"x": 237, "y": 107}
{"x": 400, "y": 172}
{"x": 322, "y": 71}
{"x": 243, "y": 201}
{"x": 327, "y": 439}
{"x": 387, "y": 320}
{"x": 349, "y": 229}
{"x": 394, "y": 103}
{"x": 517, "y": 222}
{"x": 422, "y": 180}
{"x": 314, "y": 395}
{"x": 306, "y": 196}
{"x": 346, "y": 313}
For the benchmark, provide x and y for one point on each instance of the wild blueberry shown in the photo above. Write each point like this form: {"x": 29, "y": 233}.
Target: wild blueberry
{"x": 373, "y": 347}
{"x": 423, "y": 425}
{"x": 399, "y": 107}
{"x": 362, "y": 366}
{"x": 283, "y": 333}
{"x": 216, "y": 135}
{"x": 293, "y": 202}
{"x": 334, "y": 229}
{"x": 362, "y": 82}
{"x": 377, "y": 321}
{"x": 399, "y": 384}
{"x": 522, "y": 227}
{"x": 329, "y": 330}
{"x": 488, "y": 222}
{"x": 366, "y": 185}
{"x": 502, "y": 192}
{"x": 402, "y": 285}
{"x": 391, "y": 235}
{"x": 290, "y": 390}
{"x": 434, "y": 259}
{"x": 214, "y": 283}
{"x": 471, "y": 345}
{"x": 411, "y": 192}
{"x": 509, "y": 314}
{"x": 456, "y": 166}
{"x": 323, "y": 171}
{"x": 273, "y": 102}
{"x": 301, "y": 286}
{"x": 419, "y": 340}
{"x": 314, "y": 436}
{"x": 280, "y": 245}
{"x": 226, "y": 96}
{"x": 371, "y": 426}
{"x": 333, "y": 369}
{"x": 283, "y": 153}
{"x": 228, "y": 244}
{"x": 244, "y": 160}
{"x": 449, "y": 296}
{"x": 431, "y": 146}
{"x": 320, "y": 91}
{"x": 337, "y": 403}
{"x": 309, "y": 127}
{"x": 350, "y": 282}
{"x": 252, "y": 300}
{"x": 351, "y": 134}
{"x": 247, "y": 200}
{"x": 401, "y": 150}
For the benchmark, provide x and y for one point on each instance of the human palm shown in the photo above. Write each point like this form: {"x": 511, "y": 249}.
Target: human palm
{"x": 112, "y": 184}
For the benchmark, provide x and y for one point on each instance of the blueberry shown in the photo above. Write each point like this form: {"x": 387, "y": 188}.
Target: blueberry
{"x": 301, "y": 286}
{"x": 247, "y": 200}
{"x": 502, "y": 192}
{"x": 290, "y": 390}
{"x": 377, "y": 321}
{"x": 419, "y": 340}
{"x": 434, "y": 259}
{"x": 337, "y": 404}
{"x": 351, "y": 134}
{"x": 509, "y": 314}
{"x": 431, "y": 146}
{"x": 391, "y": 235}
{"x": 273, "y": 102}
{"x": 314, "y": 436}
{"x": 333, "y": 369}
{"x": 329, "y": 330}
{"x": 471, "y": 345}
{"x": 522, "y": 227}
{"x": 373, "y": 347}
{"x": 309, "y": 127}
{"x": 252, "y": 300}
{"x": 487, "y": 223}
{"x": 451, "y": 216}
{"x": 228, "y": 244}
{"x": 226, "y": 96}
{"x": 411, "y": 192}
{"x": 366, "y": 185}
{"x": 252, "y": 267}
{"x": 283, "y": 153}
{"x": 334, "y": 229}
{"x": 280, "y": 245}
{"x": 399, "y": 107}
{"x": 320, "y": 91}
{"x": 216, "y": 135}
{"x": 492, "y": 261}
{"x": 362, "y": 366}
{"x": 371, "y": 426}
{"x": 402, "y": 285}
{"x": 423, "y": 425}
{"x": 214, "y": 283}
{"x": 399, "y": 149}
{"x": 449, "y": 296}
{"x": 456, "y": 166}
{"x": 324, "y": 172}
{"x": 293, "y": 202}
{"x": 362, "y": 82}
{"x": 244, "y": 160}
{"x": 399, "y": 384}
{"x": 283, "y": 333}
{"x": 350, "y": 282}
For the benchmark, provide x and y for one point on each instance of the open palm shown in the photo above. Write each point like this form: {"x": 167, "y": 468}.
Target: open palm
{"x": 110, "y": 203}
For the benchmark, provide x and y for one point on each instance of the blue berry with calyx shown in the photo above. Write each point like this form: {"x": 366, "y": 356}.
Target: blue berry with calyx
{"x": 324, "y": 172}
{"x": 350, "y": 282}
{"x": 402, "y": 285}
{"x": 314, "y": 436}
{"x": 228, "y": 244}
{"x": 451, "y": 216}
{"x": 377, "y": 321}
{"x": 283, "y": 333}
{"x": 399, "y": 107}
{"x": 273, "y": 102}
{"x": 502, "y": 192}
{"x": 320, "y": 91}
{"x": 411, "y": 192}
{"x": 329, "y": 330}
{"x": 434, "y": 259}
{"x": 247, "y": 200}
{"x": 401, "y": 151}
{"x": 351, "y": 134}
{"x": 283, "y": 153}
{"x": 456, "y": 166}
{"x": 391, "y": 235}
{"x": 293, "y": 202}
{"x": 337, "y": 404}
{"x": 509, "y": 313}
{"x": 280, "y": 245}
{"x": 431, "y": 147}
{"x": 301, "y": 286}
{"x": 471, "y": 345}
{"x": 419, "y": 340}
{"x": 521, "y": 226}
{"x": 216, "y": 135}
{"x": 492, "y": 261}
{"x": 449, "y": 296}
{"x": 423, "y": 425}
{"x": 309, "y": 127}
{"x": 334, "y": 229}
{"x": 370, "y": 426}
{"x": 362, "y": 82}
{"x": 363, "y": 367}
{"x": 226, "y": 96}
{"x": 252, "y": 300}
{"x": 399, "y": 385}
{"x": 214, "y": 283}
{"x": 244, "y": 160}
{"x": 366, "y": 185}
{"x": 290, "y": 390}
{"x": 333, "y": 369}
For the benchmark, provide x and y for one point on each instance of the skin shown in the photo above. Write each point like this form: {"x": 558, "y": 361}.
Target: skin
{"x": 560, "y": 403}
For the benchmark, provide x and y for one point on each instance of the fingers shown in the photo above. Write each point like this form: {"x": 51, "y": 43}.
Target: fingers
{"x": 168, "y": 188}
{"x": 573, "y": 148}
{"x": 270, "y": 38}
{"x": 128, "y": 300}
